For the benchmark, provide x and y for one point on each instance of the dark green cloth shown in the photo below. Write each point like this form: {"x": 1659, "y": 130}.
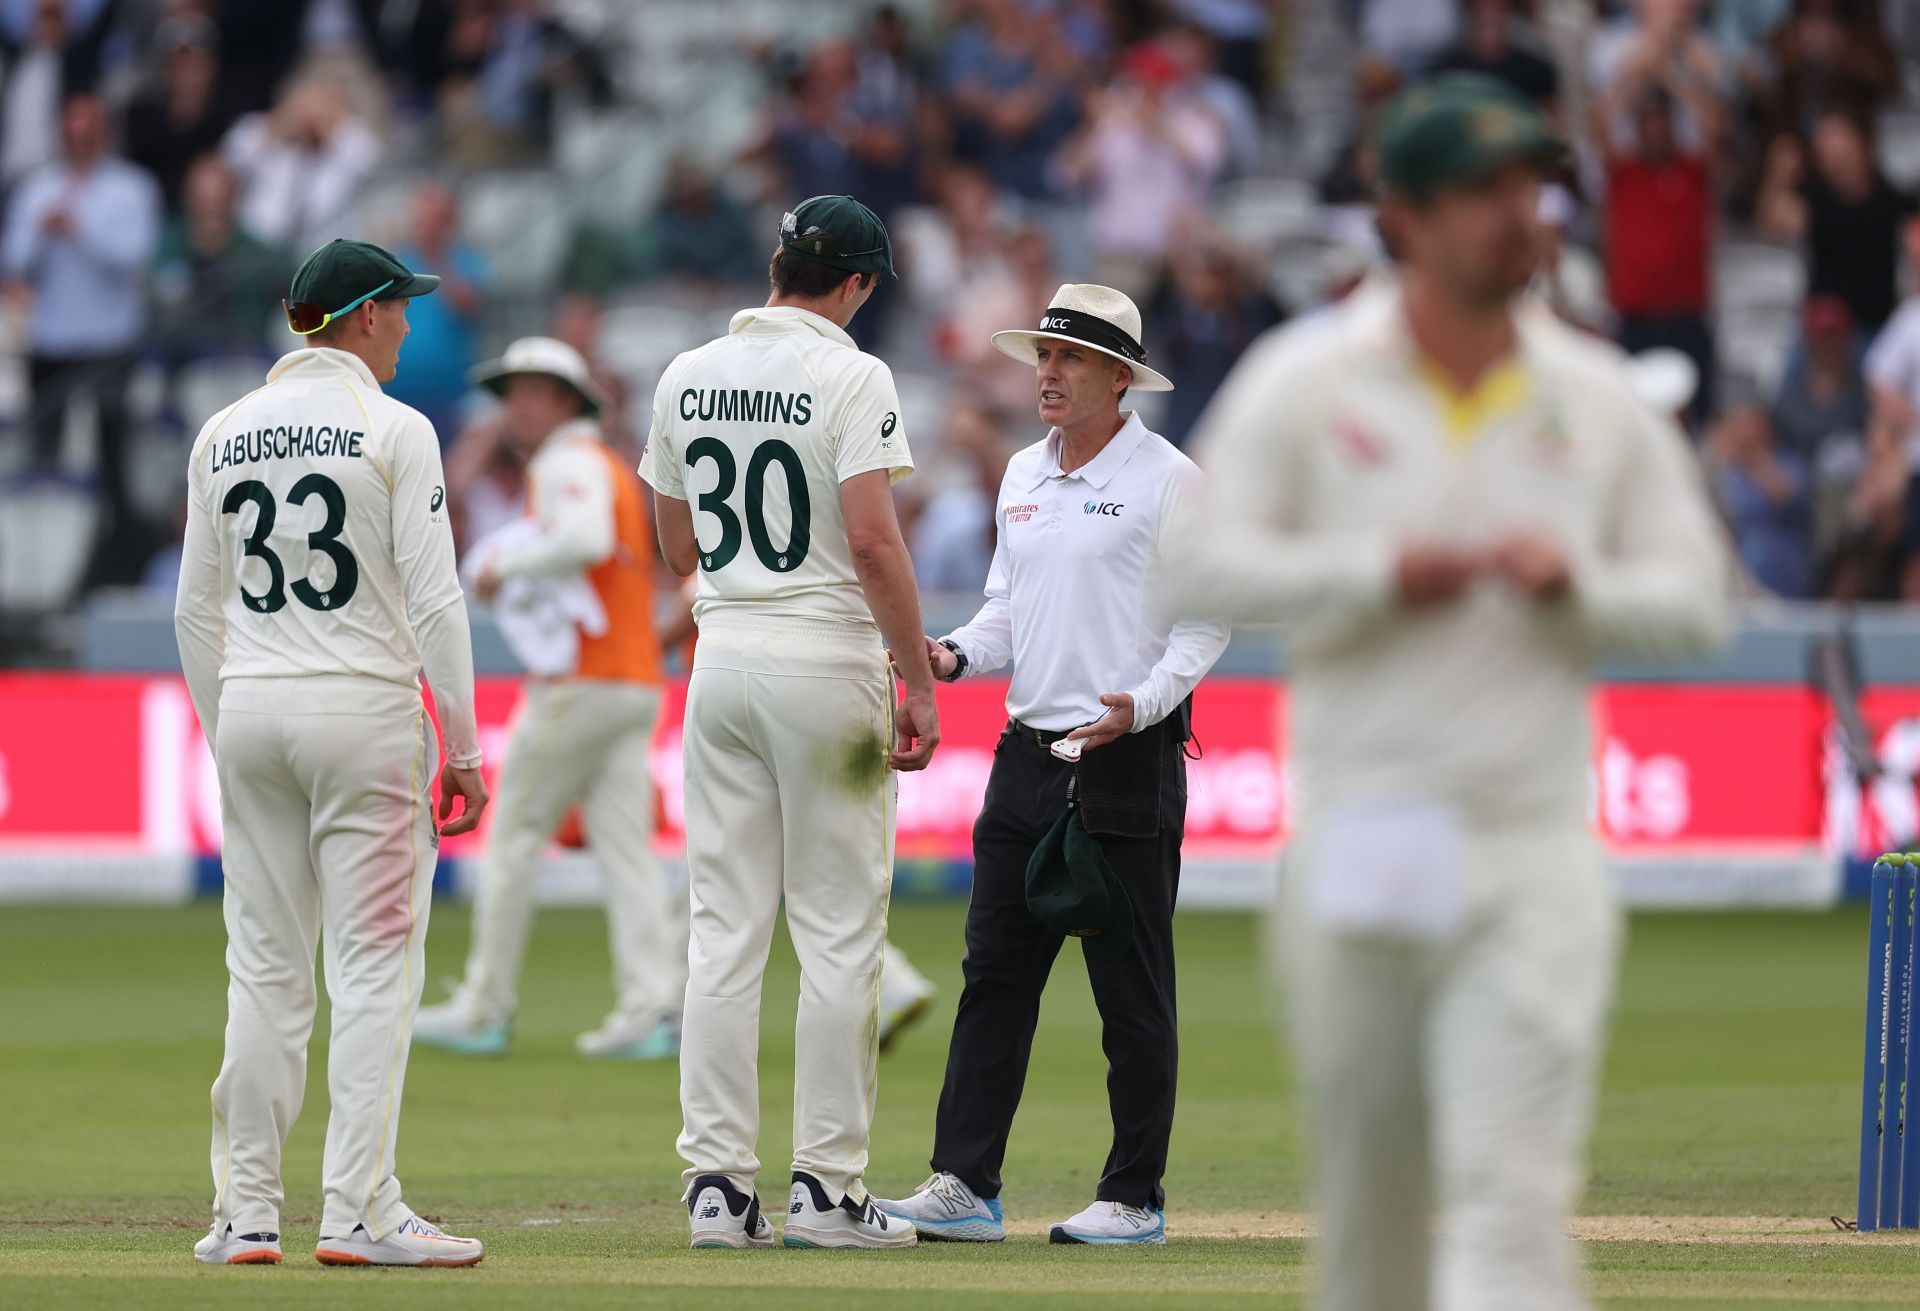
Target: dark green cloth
{"x": 840, "y": 232}
{"x": 1072, "y": 888}
{"x": 1459, "y": 129}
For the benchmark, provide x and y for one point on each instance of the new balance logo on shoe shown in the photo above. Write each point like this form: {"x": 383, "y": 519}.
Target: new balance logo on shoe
{"x": 710, "y": 1210}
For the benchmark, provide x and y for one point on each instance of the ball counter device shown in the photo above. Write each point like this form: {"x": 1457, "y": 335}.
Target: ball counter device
{"x": 1890, "y": 1074}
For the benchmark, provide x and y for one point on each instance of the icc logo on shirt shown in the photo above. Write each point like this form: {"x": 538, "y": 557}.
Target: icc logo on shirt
{"x": 1110, "y": 508}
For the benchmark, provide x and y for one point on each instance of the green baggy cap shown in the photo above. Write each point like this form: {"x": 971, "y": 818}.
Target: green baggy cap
{"x": 1072, "y": 888}
{"x": 1460, "y": 129}
{"x": 840, "y": 232}
{"x": 343, "y": 274}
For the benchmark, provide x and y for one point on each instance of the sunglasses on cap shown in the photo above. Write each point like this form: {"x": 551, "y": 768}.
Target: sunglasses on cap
{"x": 306, "y": 318}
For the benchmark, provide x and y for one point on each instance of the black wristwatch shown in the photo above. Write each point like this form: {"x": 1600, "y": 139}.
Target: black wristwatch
{"x": 959, "y": 660}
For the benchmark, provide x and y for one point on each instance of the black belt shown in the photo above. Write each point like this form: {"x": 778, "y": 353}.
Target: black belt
{"x": 1045, "y": 737}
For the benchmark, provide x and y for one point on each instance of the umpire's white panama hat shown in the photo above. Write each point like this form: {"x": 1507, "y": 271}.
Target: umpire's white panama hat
{"x": 1094, "y": 316}
{"x": 547, "y": 356}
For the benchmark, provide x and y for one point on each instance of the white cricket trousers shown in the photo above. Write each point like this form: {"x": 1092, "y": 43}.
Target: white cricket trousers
{"x": 1456, "y": 1079}
{"x": 584, "y": 742}
{"x": 787, "y": 793}
{"x": 324, "y": 797}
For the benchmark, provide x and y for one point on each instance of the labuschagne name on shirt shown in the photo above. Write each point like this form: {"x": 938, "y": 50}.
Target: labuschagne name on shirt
{"x": 286, "y": 442}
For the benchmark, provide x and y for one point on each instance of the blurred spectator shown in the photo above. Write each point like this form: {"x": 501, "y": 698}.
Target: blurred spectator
{"x": 953, "y": 534}
{"x": 1659, "y": 223}
{"x": 1826, "y": 52}
{"x": 1010, "y": 82}
{"x": 882, "y": 108}
{"x": 80, "y": 235}
{"x": 301, "y": 165}
{"x": 443, "y": 340}
{"x": 954, "y": 243}
{"x": 504, "y": 62}
{"x": 1349, "y": 177}
{"x": 216, "y": 286}
{"x": 1210, "y": 311}
{"x": 701, "y": 233}
{"x": 1893, "y": 367}
{"x": 1013, "y": 289}
{"x": 1241, "y": 30}
{"x": 486, "y": 479}
{"x": 272, "y": 35}
{"x": 1741, "y": 29}
{"x": 809, "y": 142}
{"x": 1844, "y": 209}
{"x": 1660, "y": 42}
{"x": 1763, "y": 492}
{"x": 1408, "y": 35}
{"x": 49, "y": 49}
{"x": 179, "y": 116}
{"x": 1197, "y": 57}
{"x": 1147, "y": 156}
{"x": 1493, "y": 42}
{"x": 1823, "y": 395}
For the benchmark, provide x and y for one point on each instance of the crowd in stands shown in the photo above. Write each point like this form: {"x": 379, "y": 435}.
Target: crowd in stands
{"x": 1742, "y": 196}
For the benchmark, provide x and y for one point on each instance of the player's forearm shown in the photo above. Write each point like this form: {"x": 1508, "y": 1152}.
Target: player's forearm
{"x": 560, "y": 549}
{"x": 885, "y": 571}
{"x": 446, "y": 656}
{"x": 1653, "y": 609}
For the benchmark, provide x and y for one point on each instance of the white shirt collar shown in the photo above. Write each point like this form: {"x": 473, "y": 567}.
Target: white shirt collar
{"x": 789, "y": 318}
{"x": 1100, "y": 470}
{"x": 321, "y": 359}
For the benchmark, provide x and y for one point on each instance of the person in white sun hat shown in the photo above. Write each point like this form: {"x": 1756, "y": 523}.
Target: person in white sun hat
{"x": 584, "y": 733}
{"x": 1082, "y": 523}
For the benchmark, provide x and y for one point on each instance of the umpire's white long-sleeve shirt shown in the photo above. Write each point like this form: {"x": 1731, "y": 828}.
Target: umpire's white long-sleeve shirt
{"x": 1330, "y": 447}
{"x": 1076, "y": 559}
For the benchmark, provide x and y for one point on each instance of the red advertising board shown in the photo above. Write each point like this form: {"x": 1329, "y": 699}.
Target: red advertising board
{"x": 113, "y": 763}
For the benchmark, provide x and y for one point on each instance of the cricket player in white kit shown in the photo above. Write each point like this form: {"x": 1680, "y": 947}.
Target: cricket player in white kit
{"x": 1455, "y": 505}
{"x": 316, "y": 582}
{"x": 773, "y": 452}
{"x": 584, "y": 731}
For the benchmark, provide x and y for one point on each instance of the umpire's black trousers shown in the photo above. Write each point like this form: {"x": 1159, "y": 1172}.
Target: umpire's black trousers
{"x": 1009, "y": 954}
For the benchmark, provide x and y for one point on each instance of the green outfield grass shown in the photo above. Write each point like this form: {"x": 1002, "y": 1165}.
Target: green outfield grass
{"x": 1731, "y": 1090}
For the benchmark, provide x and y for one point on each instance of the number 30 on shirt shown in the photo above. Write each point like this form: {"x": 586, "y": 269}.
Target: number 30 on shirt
{"x": 773, "y": 451}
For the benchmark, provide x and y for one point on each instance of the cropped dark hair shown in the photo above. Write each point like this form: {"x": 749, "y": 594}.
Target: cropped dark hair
{"x": 806, "y": 279}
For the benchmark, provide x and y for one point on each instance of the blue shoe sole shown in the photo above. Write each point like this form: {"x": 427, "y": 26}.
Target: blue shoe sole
{"x": 971, "y": 1230}
{"x": 1061, "y": 1234}
{"x": 479, "y": 1046}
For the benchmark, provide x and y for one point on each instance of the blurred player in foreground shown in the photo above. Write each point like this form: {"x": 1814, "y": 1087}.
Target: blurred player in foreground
{"x": 316, "y": 581}
{"x": 578, "y": 574}
{"x": 1455, "y": 505}
{"x": 784, "y": 440}
{"x": 1082, "y": 529}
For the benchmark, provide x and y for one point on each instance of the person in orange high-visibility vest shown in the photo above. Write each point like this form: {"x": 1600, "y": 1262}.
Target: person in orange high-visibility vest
{"x": 583, "y": 736}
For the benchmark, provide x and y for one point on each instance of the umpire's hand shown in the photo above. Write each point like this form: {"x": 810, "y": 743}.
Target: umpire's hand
{"x": 468, "y": 786}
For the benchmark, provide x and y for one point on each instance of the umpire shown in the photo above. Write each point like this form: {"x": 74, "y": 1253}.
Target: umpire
{"x": 1088, "y": 847}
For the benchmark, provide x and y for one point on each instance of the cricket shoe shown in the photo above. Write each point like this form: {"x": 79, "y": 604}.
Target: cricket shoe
{"x": 720, "y": 1215}
{"x": 452, "y": 1026}
{"x": 905, "y": 995}
{"x": 1112, "y": 1222}
{"x": 813, "y": 1221}
{"x": 622, "y": 1039}
{"x": 413, "y": 1242}
{"x": 946, "y": 1210}
{"x": 222, "y": 1246}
